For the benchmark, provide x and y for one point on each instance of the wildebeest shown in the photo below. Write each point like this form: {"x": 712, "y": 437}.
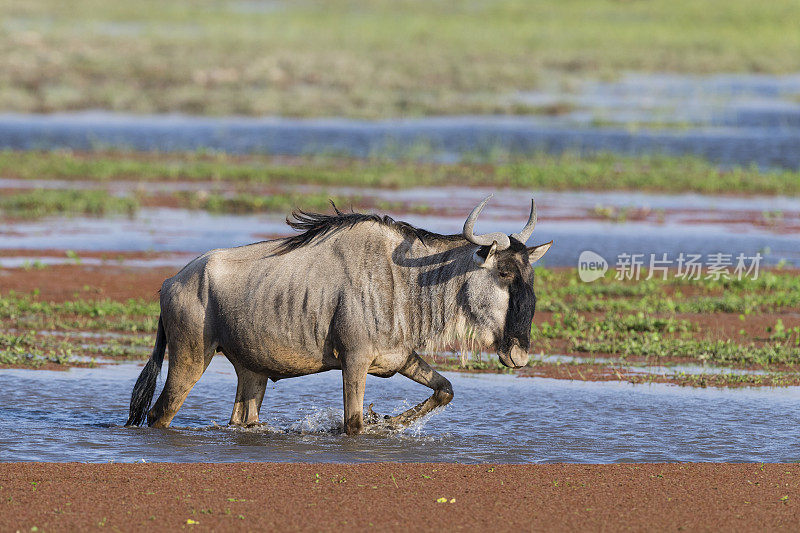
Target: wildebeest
{"x": 361, "y": 293}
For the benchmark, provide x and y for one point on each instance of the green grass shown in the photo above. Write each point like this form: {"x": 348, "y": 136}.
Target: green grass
{"x": 24, "y": 350}
{"x": 245, "y": 178}
{"x": 248, "y": 203}
{"x": 643, "y": 319}
{"x": 622, "y": 319}
{"x": 31, "y": 350}
{"x": 643, "y": 335}
{"x": 773, "y": 291}
{"x": 26, "y": 312}
{"x": 539, "y": 171}
{"x": 43, "y": 202}
{"x": 721, "y": 379}
{"x": 718, "y": 352}
{"x": 365, "y": 59}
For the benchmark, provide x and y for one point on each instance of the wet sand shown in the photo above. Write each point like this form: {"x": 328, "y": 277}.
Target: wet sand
{"x": 388, "y": 496}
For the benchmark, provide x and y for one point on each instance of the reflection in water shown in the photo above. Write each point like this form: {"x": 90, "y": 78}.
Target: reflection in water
{"x": 77, "y": 416}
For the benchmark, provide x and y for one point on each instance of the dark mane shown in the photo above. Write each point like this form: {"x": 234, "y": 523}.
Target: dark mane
{"x": 314, "y": 225}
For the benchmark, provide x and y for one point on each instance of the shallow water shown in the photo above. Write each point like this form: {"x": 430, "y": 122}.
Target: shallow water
{"x": 730, "y": 119}
{"x": 77, "y": 416}
{"x": 691, "y": 224}
{"x": 443, "y": 138}
{"x": 730, "y": 100}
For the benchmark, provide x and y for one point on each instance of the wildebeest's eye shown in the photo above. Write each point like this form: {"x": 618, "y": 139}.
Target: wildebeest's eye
{"x": 505, "y": 275}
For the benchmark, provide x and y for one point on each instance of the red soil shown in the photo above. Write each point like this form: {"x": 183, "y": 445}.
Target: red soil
{"x": 62, "y": 282}
{"x": 399, "y": 497}
{"x": 600, "y": 372}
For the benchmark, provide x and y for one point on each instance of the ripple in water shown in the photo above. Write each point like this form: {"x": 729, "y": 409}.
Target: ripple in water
{"x": 78, "y": 416}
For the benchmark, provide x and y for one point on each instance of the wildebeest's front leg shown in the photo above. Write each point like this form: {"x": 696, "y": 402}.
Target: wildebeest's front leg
{"x": 354, "y": 381}
{"x": 417, "y": 369}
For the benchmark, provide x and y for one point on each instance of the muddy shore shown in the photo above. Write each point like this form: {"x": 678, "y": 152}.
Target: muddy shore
{"x": 388, "y": 496}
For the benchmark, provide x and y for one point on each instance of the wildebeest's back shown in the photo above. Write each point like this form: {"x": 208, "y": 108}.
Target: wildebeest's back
{"x": 289, "y": 314}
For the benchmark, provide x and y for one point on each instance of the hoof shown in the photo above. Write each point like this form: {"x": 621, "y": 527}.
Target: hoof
{"x": 371, "y": 417}
{"x": 246, "y": 424}
{"x": 381, "y": 423}
{"x": 354, "y": 425}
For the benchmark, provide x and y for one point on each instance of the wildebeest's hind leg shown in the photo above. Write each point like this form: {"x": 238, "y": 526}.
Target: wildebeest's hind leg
{"x": 417, "y": 369}
{"x": 188, "y": 360}
{"x": 249, "y": 395}
{"x": 354, "y": 381}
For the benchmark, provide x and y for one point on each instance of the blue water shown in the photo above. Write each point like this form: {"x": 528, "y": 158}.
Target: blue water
{"x": 444, "y": 138}
{"x": 739, "y": 119}
{"x": 701, "y": 225}
{"x": 78, "y": 415}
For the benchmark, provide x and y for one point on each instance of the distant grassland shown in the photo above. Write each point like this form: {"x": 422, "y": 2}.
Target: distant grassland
{"x": 600, "y": 172}
{"x": 365, "y": 59}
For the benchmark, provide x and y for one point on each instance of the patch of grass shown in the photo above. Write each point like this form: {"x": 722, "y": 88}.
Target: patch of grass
{"x": 640, "y": 319}
{"x": 537, "y": 171}
{"x": 562, "y": 291}
{"x": 570, "y": 324}
{"x": 44, "y": 202}
{"x": 646, "y": 336}
{"x": 248, "y": 203}
{"x": 723, "y": 379}
{"x": 31, "y": 350}
{"x": 365, "y": 59}
{"x": 618, "y": 214}
{"x": 33, "y": 265}
{"x": 650, "y": 320}
{"x": 719, "y": 352}
{"x": 25, "y": 350}
{"x": 25, "y": 312}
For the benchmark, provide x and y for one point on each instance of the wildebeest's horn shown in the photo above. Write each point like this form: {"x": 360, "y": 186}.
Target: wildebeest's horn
{"x": 483, "y": 240}
{"x": 526, "y": 232}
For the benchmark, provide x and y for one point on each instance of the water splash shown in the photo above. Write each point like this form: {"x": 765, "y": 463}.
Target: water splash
{"x": 416, "y": 427}
{"x": 320, "y": 420}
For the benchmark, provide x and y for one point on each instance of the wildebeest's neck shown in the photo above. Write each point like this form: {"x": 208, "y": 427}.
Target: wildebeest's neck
{"x": 435, "y": 273}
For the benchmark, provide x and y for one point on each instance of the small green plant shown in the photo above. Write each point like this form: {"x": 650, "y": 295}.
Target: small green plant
{"x": 33, "y": 265}
{"x": 772, "y": 218}
{"x": 73, "y": 256}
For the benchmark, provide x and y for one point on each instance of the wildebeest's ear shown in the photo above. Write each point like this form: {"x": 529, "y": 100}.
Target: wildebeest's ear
{"x": 488, "y": 261}
{"x": 536, "y": 252}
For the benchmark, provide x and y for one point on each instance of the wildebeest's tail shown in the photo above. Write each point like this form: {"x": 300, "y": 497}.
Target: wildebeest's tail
{"x": 146, "y": 384}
